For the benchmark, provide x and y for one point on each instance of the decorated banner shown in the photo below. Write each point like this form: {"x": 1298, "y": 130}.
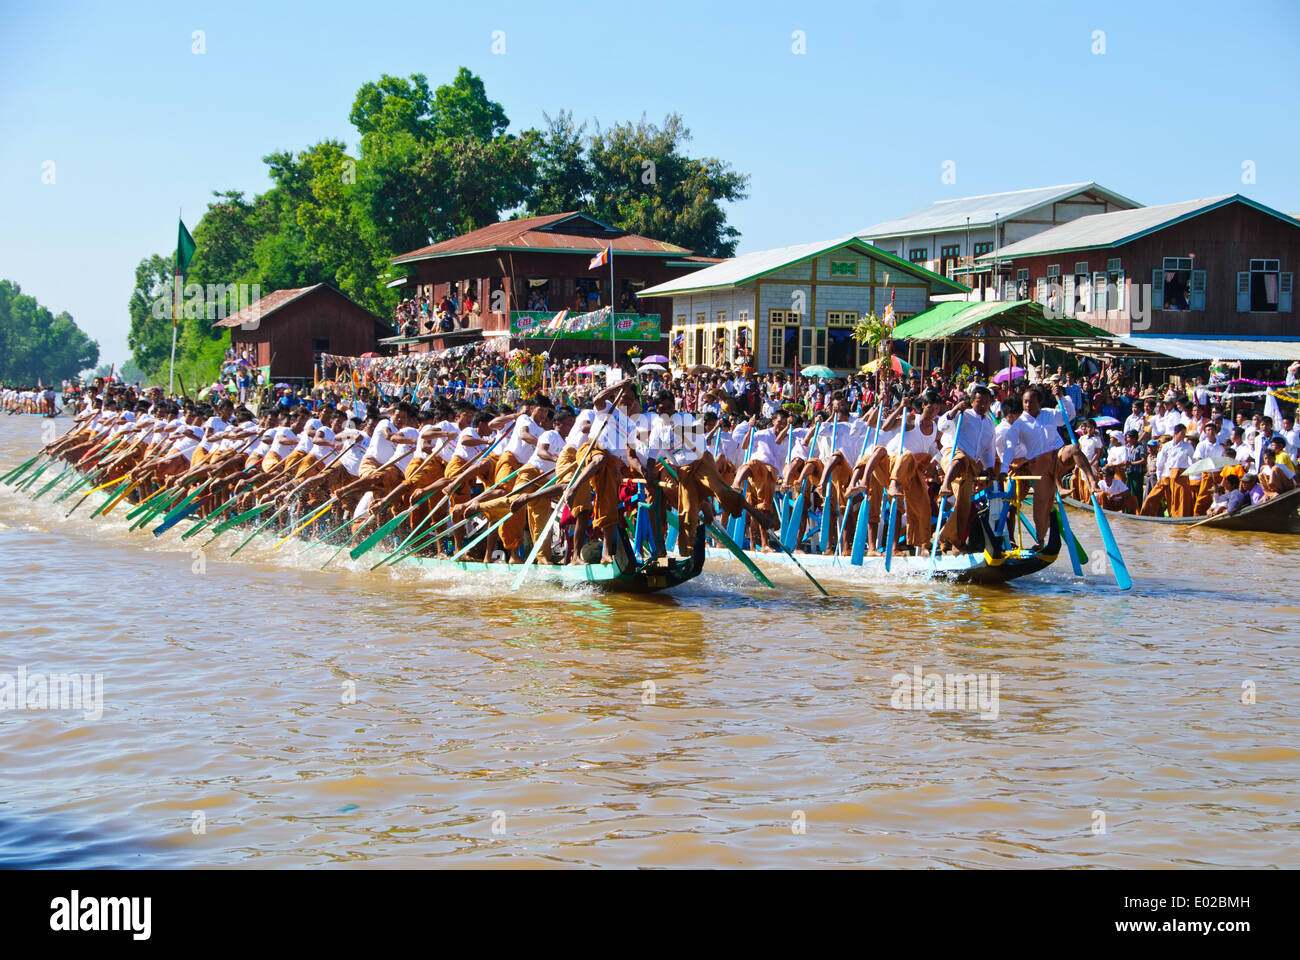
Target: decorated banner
{"x": 583, "y": 326}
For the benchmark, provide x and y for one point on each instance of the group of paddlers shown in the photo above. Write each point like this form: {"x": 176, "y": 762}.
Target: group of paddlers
{"x": 1177, "y": 458}
{"x": 444, "y": 469}
{"x": 28, "y": 399}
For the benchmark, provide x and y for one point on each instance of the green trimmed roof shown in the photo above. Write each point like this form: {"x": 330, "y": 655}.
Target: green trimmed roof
{"x": 1023, "y": 318}
{"x": 749, "y": 267}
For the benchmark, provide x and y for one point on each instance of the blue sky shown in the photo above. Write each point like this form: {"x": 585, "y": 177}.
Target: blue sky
{"x": 852, "y": 131}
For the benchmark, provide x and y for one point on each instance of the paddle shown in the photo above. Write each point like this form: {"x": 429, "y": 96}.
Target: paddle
{"x": 737, "y": 531}
{"x": 864, "y": 509}
{"x": 306, "y": 523}
{"x": 555, "y": 514}
{"x": 225, "y": 525}
{"x": 1069, "y": 535}
{"x": 1117, "y": 566}
{"x": 19, "y": 470}
{"x": 177, "y": 513}
{"x": 934, "y": 549}
{"x": 824, "y": 534}
{"x": 790, "y": 536}
{"x": 893, "y": 500}
{"x": 53, "y": 483}
{"x": 716, "y": 531}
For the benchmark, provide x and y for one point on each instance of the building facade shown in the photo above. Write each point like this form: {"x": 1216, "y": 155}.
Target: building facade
{"x": 534, "y": 267}
{"x": 792, "y": 307}
{"x": 1218, "y": 267}
{"x": 289, "y": 329}
{"x": 950, "y": 236}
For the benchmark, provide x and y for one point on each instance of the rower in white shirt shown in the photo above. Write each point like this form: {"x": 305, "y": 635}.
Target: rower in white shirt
{"x": 1172, "y": 489}
{"x": 968, "y": 434}
{"x": 1038, "y": 430}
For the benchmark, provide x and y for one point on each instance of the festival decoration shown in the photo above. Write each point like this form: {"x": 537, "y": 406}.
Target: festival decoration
{"x": 527, "y": 369}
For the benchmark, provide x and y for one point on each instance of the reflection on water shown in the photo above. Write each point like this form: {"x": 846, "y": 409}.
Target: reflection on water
{"x": 266, "y": 712}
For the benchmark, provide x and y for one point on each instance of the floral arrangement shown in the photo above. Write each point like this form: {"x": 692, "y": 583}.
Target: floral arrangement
{"x": 634, "y": 353}
{"x": 527, "y": 368}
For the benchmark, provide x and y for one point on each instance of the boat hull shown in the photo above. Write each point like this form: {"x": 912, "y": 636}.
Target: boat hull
{"x": 1279, "y": 515}
{"x": 626, "y": 574}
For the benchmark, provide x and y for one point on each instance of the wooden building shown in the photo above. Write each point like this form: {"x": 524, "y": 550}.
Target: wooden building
{"x": 793, "y": 306}
{"x": 536, "y": 266}
{"x": 289, "y": 329}
{"x": 1218, "y": 267}
{"x": 948, "y": 236}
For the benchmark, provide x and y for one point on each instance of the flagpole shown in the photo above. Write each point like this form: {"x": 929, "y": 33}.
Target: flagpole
{"x": 176, "y": 292}
{"x": 613, "y": 327}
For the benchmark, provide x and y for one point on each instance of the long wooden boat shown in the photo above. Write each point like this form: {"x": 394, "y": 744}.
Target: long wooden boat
{"x": 992, "y": 561}
{"x": 626, "y": 574}
{"x": 1279, "y": 515}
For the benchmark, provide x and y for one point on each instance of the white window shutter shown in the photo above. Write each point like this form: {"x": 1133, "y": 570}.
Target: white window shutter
{"x": 1284, "y": 293}
{"x": 1122, "y": 294}
{"x": 1243, "y": 291}
{"x": 1067, "y": 303}
{"x": 1197, "y": 299}
{"x": 1099, "y": 292}
{"x": 1157, "y": 289}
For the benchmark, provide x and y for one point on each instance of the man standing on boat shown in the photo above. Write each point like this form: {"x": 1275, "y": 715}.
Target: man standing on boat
{"x": 1038, "y": 430}
{"x": 968, "y": 433}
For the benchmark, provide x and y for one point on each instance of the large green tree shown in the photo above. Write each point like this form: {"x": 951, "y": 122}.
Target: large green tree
{"x": 38, "y": 345}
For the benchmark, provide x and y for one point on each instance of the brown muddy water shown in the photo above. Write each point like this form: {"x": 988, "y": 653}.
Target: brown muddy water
{"x": 262, "y": 713}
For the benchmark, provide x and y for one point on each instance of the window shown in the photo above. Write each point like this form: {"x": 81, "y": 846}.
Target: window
{"x": 844, "y": 268}
{"x": 983, "y": 248}
{"x": 812, "y": 346}
{"x": 1175, "y": 284}
{"x": 1022, "y": 284}
{"x": 948, "y": 256}
{"x": 841, "y": 347}
{"x": 1082, "y": 288}
{"x": 918, "y": 254}
{"x": 1114, "y": 285}
{"x": 721, "y": 341}
{"x": 783, "y": 337}
{"x": 1264, "y": 285}
{"x": 1053, "y": 270}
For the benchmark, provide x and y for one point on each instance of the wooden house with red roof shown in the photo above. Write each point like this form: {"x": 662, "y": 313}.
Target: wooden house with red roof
{"x": 521, "y": 269}
{"x": 289, "y": 329}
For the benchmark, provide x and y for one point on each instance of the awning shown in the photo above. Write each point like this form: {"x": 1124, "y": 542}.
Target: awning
{"x": 1182, "y": 348}
{"x": 1021, "y": 319}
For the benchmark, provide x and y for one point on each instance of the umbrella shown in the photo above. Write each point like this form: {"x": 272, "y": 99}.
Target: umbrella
{"x": 1210, "y": 464}
{"x": 652, "y": 366}
{"x": 657, "y": 358}
{"x": 897, "y": 364}
{"x": 699, "y": 368}
{"x": 1007, "y": 374}
{"x": 282, "y": 386}
{"x": 592, "y": 368}
{"x": 817, "y": 370}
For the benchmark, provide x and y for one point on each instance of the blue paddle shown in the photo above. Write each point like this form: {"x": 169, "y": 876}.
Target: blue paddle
{"x": 1117, "y": 566}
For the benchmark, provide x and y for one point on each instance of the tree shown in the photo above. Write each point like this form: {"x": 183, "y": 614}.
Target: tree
{"x": 35, "y": 344}
{"x": 643, "y": 183}
{"x": 563, "y": 179}
{"x": 150, "y": 337}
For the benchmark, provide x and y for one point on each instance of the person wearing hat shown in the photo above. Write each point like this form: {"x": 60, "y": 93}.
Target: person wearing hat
{"x": 1172, "y": 491}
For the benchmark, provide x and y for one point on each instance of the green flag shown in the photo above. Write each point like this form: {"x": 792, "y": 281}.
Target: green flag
{"x": 184, "y": 248}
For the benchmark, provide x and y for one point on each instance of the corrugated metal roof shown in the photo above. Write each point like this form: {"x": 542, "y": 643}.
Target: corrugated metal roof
{"x": 952, "y": 214}
{"x": 570, "y": 232}
{"x": 1181, "y": 348}
{"x": 1021, "y": 318}
{"x": 268, "y": 304}
{"x": 742, "y": 269}
{"x": 1123, "y": 226}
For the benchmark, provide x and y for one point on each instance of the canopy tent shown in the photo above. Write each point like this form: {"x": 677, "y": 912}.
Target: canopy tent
{"x": 1188, "y": 348}
{"x": 1015, "y": 319}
